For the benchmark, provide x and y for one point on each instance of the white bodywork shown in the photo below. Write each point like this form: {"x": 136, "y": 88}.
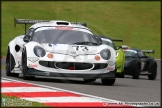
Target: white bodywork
{"x": 61, "y": 53}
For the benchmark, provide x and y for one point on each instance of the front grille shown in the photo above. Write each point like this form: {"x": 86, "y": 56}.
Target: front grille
{"x": 47, "y": 64}
{"x": 99, "y": 66}
{"x": 73, "y": 65}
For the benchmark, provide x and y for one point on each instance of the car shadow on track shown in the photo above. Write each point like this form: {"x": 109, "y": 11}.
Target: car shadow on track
{"x": 70, "y": 81}
{"x": 142, "y": 78}
{"x": 62, "y": 80}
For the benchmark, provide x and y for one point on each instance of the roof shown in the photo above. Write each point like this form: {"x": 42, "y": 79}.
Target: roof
{"x": 57, "y": 23}
{"x": 61, "y": 24}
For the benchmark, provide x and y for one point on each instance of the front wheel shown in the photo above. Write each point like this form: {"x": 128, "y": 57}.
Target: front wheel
{"x": 24, "y": 64}
{"x": 107, "y": 81}
{"x": 120, "y": 75}
{"x": 153, "y": 72}
{"x": 136, "y": 72}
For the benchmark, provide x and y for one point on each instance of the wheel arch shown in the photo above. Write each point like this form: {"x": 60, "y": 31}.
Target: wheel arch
{"x": 11, "y": 58}
{"x": 139, "y": 64}
{"x": 30, "y": 48}
{"x": 155, "y": 64}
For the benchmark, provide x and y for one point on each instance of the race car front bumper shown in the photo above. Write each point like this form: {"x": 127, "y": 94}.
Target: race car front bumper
{"x": 34, "y": 72}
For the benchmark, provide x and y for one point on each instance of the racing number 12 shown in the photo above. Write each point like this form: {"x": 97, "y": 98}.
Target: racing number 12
{"x": 83, "y": 48}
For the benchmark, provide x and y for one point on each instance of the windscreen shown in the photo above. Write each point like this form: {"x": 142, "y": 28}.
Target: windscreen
{"x": 62, "y": 36}
{"x": 108, "y": 43}
{"x": 131, "y": 53}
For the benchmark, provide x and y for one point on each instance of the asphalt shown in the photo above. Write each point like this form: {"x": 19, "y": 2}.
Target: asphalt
{"x": 125, "y": 89}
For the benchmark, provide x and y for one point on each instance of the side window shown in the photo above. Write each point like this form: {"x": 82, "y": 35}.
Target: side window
{"x": 29, "y": 34}
{"x": 141, "y": 54}
{"x": 30, "y": 31}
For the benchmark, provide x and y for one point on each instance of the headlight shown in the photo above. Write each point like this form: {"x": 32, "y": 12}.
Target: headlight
{"x": 39, "y": 51}
{"x": 117, "y": 54}
{"x": 105, "y": 54}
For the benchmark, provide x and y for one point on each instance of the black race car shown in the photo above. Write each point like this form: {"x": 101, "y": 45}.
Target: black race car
{"x": 138, "y": 63}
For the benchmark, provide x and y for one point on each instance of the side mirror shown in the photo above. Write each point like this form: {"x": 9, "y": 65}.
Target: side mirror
{"x": 99, "y": 40}
{"x": 26, "y": 38}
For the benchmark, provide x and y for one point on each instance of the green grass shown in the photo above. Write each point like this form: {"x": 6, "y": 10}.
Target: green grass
{"x": 136, "y": 22}
{"x": 18, "y": 100}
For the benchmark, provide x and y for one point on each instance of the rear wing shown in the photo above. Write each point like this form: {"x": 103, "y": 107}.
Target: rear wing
{"x": 27, "y": 21}
{"x": 117, "y": 40}
{"x": 31, "y": 21}
{"x": 148, "y": 51}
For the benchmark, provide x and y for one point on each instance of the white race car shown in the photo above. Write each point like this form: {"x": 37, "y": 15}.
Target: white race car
{"x": 60, "y": 49}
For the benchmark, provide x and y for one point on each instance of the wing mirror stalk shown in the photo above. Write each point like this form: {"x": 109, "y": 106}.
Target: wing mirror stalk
{"x": 26, "y": 38}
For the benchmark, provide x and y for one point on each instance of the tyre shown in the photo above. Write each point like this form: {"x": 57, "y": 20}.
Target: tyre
{"x": 136, "y": 72}
{"x": 153, "y": 72}
{"x": 108, "y": 81}
{"x": 120, "y": 75}
{"x": 10, "y": 64}
{"x": 86, "y": 80}
{"x": 24, "y": 64}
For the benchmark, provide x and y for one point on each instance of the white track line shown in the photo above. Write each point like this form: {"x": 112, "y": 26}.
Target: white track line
{"x": 62, "y": 99}
{"x": 5, "y": 80}
{"x": 25, "y": 89}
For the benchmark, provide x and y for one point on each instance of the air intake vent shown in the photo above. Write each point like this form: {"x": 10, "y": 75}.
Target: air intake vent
{"x": 62, "y": 23}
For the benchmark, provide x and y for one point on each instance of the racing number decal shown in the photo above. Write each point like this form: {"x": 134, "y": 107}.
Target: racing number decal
{"x": 83, "y": 48}
{"x": 77, "y": 47}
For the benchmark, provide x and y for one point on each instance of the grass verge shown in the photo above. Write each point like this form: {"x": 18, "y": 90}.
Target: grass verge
{"x": 12, "y": 101}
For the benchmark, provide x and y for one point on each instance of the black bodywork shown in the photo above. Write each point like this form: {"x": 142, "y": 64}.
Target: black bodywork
{"x": 138, "y": 63}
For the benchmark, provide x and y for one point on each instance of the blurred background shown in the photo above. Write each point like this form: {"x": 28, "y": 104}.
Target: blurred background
{"x": 137, "y": 23}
